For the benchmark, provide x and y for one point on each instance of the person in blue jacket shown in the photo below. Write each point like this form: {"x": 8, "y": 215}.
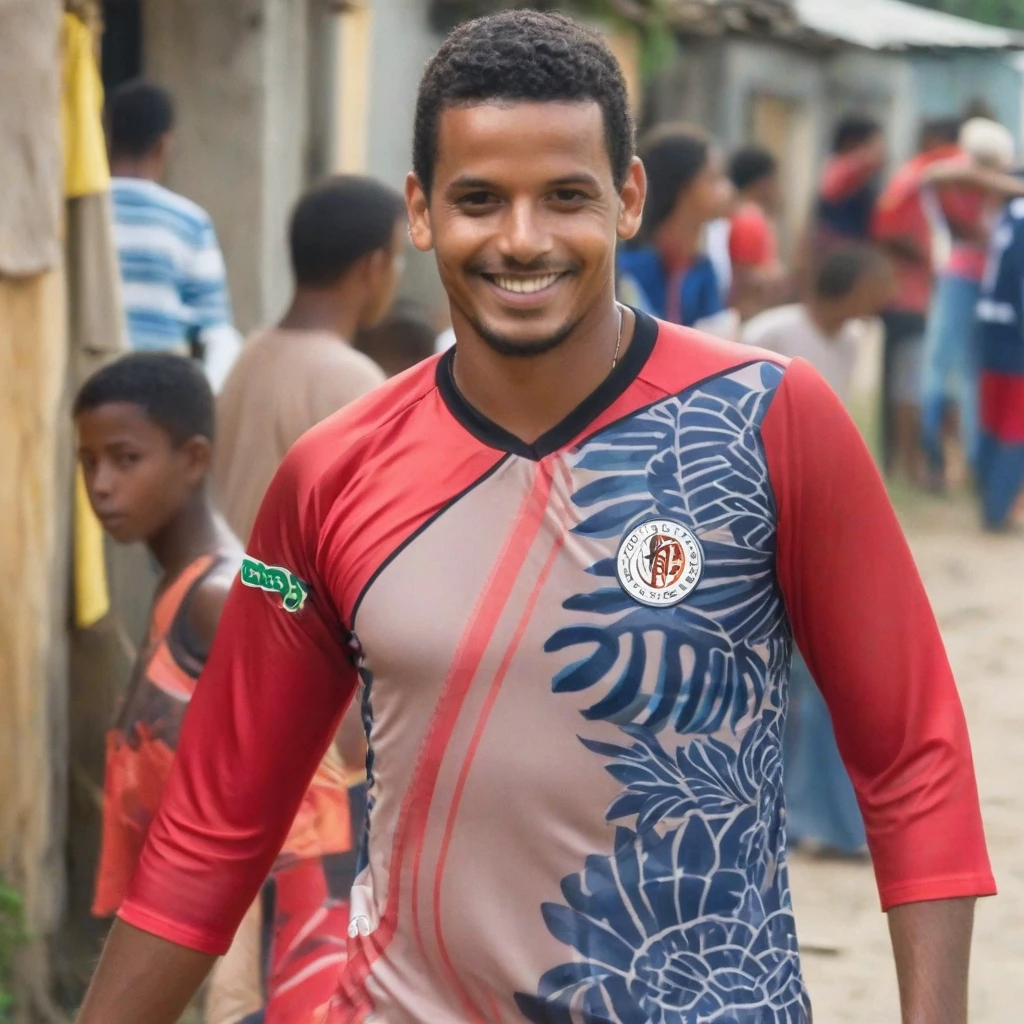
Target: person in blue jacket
{"x": 665, "y": 272}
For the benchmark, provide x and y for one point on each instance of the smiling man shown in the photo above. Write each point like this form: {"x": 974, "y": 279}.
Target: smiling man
{"x": 568, "y": 560}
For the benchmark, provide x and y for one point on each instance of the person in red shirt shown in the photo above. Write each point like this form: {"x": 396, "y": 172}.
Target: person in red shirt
{"x": 757, "y": 276}
{"x": 952, "y": 360}
{"x": 901, "y": 225}
{"x": 567, "y": 561}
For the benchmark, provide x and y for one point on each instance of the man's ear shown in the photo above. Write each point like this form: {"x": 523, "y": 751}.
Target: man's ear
{"x": 198, "y": 454}
{"x": 631, "y": 200}
{"x": 418, "y": 206}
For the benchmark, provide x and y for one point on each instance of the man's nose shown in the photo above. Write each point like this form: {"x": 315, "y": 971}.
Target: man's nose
{"x": 101, "y": 482}
{"x": 525, "y": 234}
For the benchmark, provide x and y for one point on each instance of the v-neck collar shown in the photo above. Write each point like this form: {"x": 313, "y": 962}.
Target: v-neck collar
{"x": 645, "y": 333}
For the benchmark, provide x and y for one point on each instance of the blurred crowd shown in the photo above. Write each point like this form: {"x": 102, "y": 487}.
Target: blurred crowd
{"x": 921, "y": 250}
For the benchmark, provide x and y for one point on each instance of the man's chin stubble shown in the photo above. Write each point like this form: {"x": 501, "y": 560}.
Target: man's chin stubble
{"x": 505, "y": 346}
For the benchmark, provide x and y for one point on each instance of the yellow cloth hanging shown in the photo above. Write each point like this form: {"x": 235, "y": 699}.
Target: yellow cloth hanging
{"x": 92, "y": 597}
{"x": 86, "y": 170}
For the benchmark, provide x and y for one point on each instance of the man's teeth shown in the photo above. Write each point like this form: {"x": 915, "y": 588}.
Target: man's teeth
{"x": 525, "y": 285}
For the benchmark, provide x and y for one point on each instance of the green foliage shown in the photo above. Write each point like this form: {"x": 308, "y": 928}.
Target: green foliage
{"x": 657, "y": 41}
{"x": 12, "y": 935}
{"x": 1005, "y": 13}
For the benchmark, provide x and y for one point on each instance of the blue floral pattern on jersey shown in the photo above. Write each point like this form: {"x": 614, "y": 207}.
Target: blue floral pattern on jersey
{"x": 689, "y": 921}
{"x": 697, "y": 459}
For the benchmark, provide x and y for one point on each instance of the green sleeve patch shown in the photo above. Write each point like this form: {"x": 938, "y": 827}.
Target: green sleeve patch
{"x": 275, "y": 580}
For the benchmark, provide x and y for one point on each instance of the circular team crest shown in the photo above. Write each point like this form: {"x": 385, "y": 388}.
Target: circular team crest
{"x": 659, "y": 563}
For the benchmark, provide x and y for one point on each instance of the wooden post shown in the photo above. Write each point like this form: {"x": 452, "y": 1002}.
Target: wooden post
{"x": 33, "y": 749}
{"x": 33, "y": 455}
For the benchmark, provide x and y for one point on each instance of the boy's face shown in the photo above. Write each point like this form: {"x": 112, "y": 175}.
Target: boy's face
{"x": 136, "y": 477}
{"x": 873, "y": 293}
{"x": 383, "y": 271}
{"x": 711, "y": 194}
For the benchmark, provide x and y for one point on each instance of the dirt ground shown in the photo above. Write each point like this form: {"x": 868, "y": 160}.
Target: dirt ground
{"x": 976, "y": 583}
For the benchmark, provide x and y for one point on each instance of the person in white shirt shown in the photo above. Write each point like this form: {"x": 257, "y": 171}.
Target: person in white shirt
{"x": 854, "y": 282}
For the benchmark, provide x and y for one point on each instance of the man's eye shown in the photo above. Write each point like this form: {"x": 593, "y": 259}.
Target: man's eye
{"x": 126, "y": 459}
{"x": 569, "y": 195}
{"x": 478, "y": 199}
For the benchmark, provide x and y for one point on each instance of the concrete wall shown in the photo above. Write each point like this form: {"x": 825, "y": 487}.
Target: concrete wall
{"x": 944, "y": 84}
{"x": 238, "y": 70}
{"x": 402, "y": 44}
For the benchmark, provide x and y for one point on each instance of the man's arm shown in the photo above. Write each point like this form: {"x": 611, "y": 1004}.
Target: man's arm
{"x": 205, "y": 294}
{"x": 932, "y": 946}
{"x": 960, "y": 172}
{"x": 206, "y": 604}
{"x": 863, "y": 622}
{"x": 264, "y": 713}
{"x": 143, "y": 978}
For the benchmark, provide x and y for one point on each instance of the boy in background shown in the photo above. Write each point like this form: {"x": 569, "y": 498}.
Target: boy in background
{"x": 347, "y": 247}
{"x": 146, "y": 430}
{"x": 145, "y": 427}
{"x": 854, "y": 282}
{"x": 173, "y": 277}
{"x": 757, "y": 277}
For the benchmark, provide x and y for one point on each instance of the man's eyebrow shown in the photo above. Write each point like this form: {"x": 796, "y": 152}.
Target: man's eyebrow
{"x": 577, "y": 178}
{"x": 468, "y": 181}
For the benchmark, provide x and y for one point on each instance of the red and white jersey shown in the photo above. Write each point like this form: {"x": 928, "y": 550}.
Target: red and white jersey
{"x": 575, "y": 657}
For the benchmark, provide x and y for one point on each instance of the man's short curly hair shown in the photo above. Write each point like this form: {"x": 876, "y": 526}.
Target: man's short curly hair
{"x": 522, "y": 56}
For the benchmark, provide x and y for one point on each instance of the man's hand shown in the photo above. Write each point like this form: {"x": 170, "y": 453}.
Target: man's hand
{"x": 932, "y": 946}
{"x": 142, "y": 979}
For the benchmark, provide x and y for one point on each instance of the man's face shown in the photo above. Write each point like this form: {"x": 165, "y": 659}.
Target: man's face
{"x": 135, "y": 477}
{"x": 384, "y": 270}
{"x": 710, "y": 195}
{"x": 770, "y": 192}
{"x": 873, "y": 293}
{"x": 523, "y": 218}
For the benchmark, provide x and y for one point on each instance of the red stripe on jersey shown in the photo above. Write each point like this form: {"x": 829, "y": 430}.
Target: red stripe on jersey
{"x": 474, "y": 743}
{"x": 412, "y": 820}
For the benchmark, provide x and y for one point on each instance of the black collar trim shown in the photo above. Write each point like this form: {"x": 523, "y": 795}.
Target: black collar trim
{"x": 645, "y": 333}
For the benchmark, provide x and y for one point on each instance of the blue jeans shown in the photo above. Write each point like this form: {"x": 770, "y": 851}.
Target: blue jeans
{"x": 821, "y": 806}
{"x": 951, "y": 358}
{"x": 1001, "y": 475}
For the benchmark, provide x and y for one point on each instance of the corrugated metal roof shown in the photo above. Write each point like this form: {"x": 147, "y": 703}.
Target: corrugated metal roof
{"x": 894, "y": 25}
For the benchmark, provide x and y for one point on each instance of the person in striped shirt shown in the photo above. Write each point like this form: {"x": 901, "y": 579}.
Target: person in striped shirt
{"x": 172, "y": 271}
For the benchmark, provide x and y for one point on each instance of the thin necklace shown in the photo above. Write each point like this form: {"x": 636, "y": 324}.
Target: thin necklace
{"x": 618, "y": 341}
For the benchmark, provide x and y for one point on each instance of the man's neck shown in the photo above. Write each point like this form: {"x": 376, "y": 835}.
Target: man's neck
{"x": 329, "y": 310}
{"x": 143, "y": 168}
{"x": 678, "y": 243}
{"x": 527, "y": 396}
{"x": 193, "y": 531}
{"x": 749, "y": 199}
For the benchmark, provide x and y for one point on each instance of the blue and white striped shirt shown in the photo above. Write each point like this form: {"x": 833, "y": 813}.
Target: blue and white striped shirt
{"x": 172, "y": 270}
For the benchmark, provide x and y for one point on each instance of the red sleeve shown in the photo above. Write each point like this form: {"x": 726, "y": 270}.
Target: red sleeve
{"x": 265, "y": 710}
{"x": 750, "y": 239}
{"x": 847, "y": 173}
{"x": 963, "y": 206}
{"x": 898, "y": 213}
{"x": 865, "y": 627}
